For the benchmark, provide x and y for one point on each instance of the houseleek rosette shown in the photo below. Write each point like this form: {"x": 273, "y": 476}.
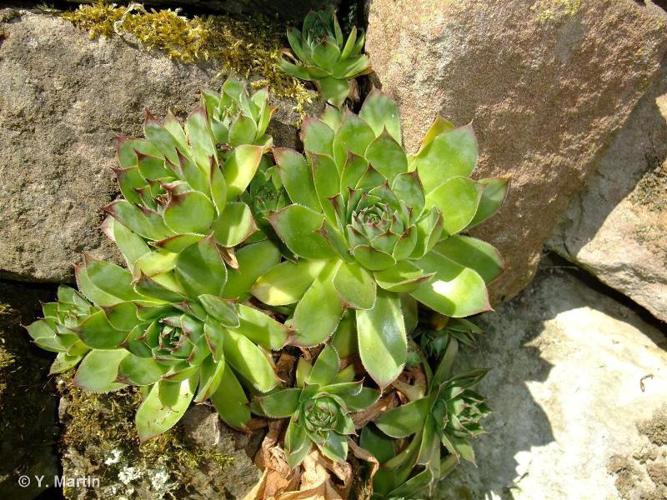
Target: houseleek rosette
{"x": 163, "y": 325}
{"x": 375, "y": 229}
{"x": 323, "y": 55}
{"x": 175, "y": 321}
{"x": 438, "y": 425}
{"x": 236, "y": 117}
{"x": 319, "y": 408}
{"x": 183, "y": 183}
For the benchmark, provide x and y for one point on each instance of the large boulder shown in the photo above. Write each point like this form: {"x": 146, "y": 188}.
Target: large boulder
{"x": 578, "y": 388}
{"x": 544, "y": 83}
{"x": 617, "y": 228}
{"x": 63, "y": 98}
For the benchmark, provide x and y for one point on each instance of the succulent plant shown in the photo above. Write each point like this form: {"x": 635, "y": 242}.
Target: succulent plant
{"x": 165, "y": 325}
{"x": 55, "y": 332}
{"x": 236, "y": 117}
{"x": 229, "y": 257}
{"x": 441, "y": 423}
{"x": 182, "y": 184}
{"x": 375, "y": 229}
{"x": 434, "y": 336}
{"x": 318, "y": 408}
{"x": 324, "y": 56}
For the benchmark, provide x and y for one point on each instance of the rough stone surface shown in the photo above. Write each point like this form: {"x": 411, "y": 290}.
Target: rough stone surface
{"x": 577, "y": 386}
{"x": 28, "y": 401}
{"x": 294, "y": 10}
{"x": 544, "y": 82}
{"x": 198, "y": 459}
{"x": 63, "y": 98}
{"x": 617, "y": 228}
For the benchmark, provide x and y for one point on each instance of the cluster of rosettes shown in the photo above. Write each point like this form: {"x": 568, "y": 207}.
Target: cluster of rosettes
{"x": 233, "y": 261}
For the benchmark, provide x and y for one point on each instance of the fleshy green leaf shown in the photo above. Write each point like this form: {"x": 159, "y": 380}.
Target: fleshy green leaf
{"x": 287, "y": 282}
{"x": 162, "y": 287}
{"x": 189, "y": 212}
{"x": 200, "y": 136}
{"x": 110, "y": 279}
{"x": 179, "y": 242}
{"x": 164, "y": 406}
{"x": 326, "y": 179}
{"x": 64, "y": 362}
{"x": 335, "y": 447}
{"x": 280, "y": 404}
{"x": 210, "y": 375}
{"x": 318, "y": 312}
{"x": 130, "y": 244}
{"x": 382, "y": 339}
{"x": 439, "y": 126}
{"x": 222, "y": 310}
{"x": 253, "y": 261}
{"x": 123, "y": 316}
{"x": 299, "y": 228}
{"x": 139, "y": 371}
{"x": 404, "y": 277}
{"x": 380, "y": 112}
{"x": 455, "y": 290}
{"x": 355, "y": 286}
{"x": 317, "y": 136}
{"x": 235, "y": 224}
{"x": 99, "y": 370}
{"x": 325, "y": 368}
{"x": 200, "y": 269}
{"x": 296, "y": 177}
{"x": 230, "y": 401}
{"x": 404, "y": 420}
{"x": 155, "y": 263}
{"x": 452, "y": 153}
{"x": 387, "y": 156}
{"x": 95, "y": 331}
{"x": 353, "y": 136}
{"x": 242, "y": 131}
{"x": 261, "y": 328}
{"x": 493, "y": 194}
{"x": 473, "y": 253}
{"x": 377, "y": 444}
{"x": 408, "y": 188}
{"x": 345, "y": 338}
{"x": 143, "y": 222}
{"x": 241, "y": 167}
{"x": 372, "y": 259}
{"x": 249, "y": 361}
{"x": 297, "y": 444}
{"x": 457, "y": 199}
{"x": 334, "y": 90}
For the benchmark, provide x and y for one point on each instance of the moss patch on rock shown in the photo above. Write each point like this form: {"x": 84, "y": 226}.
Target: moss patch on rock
{"x": 100, "y": 441}
{"x": 250, "y": 48}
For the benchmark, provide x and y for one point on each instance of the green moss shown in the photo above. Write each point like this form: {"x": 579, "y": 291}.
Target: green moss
{"x": 554, "y": 10}
{"x": 249, "y": 47}
{"x": 100, "y": 440}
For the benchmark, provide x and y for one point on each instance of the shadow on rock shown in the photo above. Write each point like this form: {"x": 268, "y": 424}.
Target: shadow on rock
{"x": 573, "y": 374}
